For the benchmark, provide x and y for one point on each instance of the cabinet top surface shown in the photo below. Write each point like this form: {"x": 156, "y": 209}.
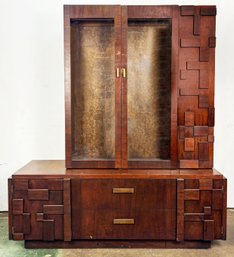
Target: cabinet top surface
{"x": 56, "y": 168}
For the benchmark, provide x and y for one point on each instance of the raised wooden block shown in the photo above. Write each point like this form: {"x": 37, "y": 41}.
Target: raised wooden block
{"x": 209, "y": 230}
{"x": 212, "y": 42}
{"x": 188, "y": 144}
{"x": 38, "y": 194}
{"x": 188, "y": 131}
{"x": 208, "y": 11}
{"x": 203, "y": 151}
{"x": 193, "y": 217}
{"x": 53, "y": 209}
{"x": 186, "y": 164}
{"x": 48, "y": 230}
{"x": 203, "y": 101}
{"x": 204, "y": 79}
{"x": 187, "y": 10}
{"x": 211, "y": 117}
{"x": 204, "y": 54}
{"x": 189, "y": 118}
{"x": 21, "y": 184}
{"x": 26, "y": 223}
{"x": 205, "y": 184}
{"x": 181, "y": 132}
{"x": 217, "y": 199}
{"x": 18, "y": 206}
{"x": 191, "y": 194}
{"x": 207, "y": 210}
{"x": 200, "y": 131}
{"x": 190, "y": 42}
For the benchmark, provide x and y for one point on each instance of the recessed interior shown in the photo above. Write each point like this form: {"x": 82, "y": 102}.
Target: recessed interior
{"x": 149, "y": 88}
{"x": 93, "y": 89}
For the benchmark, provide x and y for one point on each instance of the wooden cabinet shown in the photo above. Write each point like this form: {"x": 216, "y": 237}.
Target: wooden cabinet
{"x": 139, "y": 102}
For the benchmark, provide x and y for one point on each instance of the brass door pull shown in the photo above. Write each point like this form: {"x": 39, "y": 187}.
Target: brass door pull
{"x": 123, "y": 190}
{"x": 124, "y": 73}
{"x": 117, "y": 72}
{"x": 123, "y": 221}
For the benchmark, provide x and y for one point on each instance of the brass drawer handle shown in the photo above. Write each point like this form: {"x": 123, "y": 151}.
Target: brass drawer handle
{"x": 123, "y": 221}
{"x": 123, "y": 190}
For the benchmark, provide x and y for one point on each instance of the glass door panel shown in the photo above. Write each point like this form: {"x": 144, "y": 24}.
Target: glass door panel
{"x": 93, "y": 89}
{"x": 149, "y": 89}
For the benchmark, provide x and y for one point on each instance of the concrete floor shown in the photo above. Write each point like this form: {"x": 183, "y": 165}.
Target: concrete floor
{"x": 16, "y": 248}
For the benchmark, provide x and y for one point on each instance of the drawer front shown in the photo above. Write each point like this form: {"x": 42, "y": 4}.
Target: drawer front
{"x": 124, "y": 209}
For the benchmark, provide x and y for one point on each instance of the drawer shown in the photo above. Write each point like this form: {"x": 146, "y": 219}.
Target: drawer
{"x": 149, "y": 206}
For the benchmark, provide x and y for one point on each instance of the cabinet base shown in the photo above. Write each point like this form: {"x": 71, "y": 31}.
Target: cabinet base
{"x": 118, "y": 244}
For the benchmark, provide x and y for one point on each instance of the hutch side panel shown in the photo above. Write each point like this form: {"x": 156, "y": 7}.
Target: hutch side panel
{"x": 196, "y": 86}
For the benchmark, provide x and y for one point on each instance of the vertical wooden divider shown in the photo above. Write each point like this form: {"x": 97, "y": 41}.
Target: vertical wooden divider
{"x": 67, "y": 209}
{"x": 124, "y": 140}
{"x": 180, "y": 210}
{"x": 118, "y": 122}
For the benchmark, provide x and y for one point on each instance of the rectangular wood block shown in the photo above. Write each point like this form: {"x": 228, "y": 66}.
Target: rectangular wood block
{"x": 180, "y": 210}
{"x": 188, "y": 131}
{"x": 20, "y": 184}
{"x": 203, "y": 101}
{"x": 208, "y": 230}
{"x": 204, "y": 54}
{"x": 48, "y": 230}
{"x": 210, "y": 138}
{"x": 17, "y": 206}
{"x": 212, "y": 42}
{"x": 203, "y": 151}
{"x": 53, "y": 209}
{"x": 191, "y": 194}
{"x": 200, "y": 131}
{"x": 206, "y": 184}
{"x": 181, "y": 132}
{"x": 187, "y": 10}
{"x": 196, "y": 24}
{"x": 53, "y": 184}
{"x": 204, "y": 79}
{"x": 189, "y": 118}
{"x": 189, "y": 164}
{"x": 211, "y": 117}
{"x": 26, "y": 223}
{"x": 188, "y": 144}
{"x": 208, "y": 11}
{"x": 217, "y": 199}
{"x": 38, "y": 194}
{"x": 190, "y": 42}
{"x": 193, "y": 230}
{"x": 193, "y": 217}
{"x": 40, "y": 216}
{"x": 207, "y": 210}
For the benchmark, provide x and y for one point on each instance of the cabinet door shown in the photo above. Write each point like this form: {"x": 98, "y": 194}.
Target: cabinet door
{"x": 92, "y": 55}
{"x": 150, "y": 45}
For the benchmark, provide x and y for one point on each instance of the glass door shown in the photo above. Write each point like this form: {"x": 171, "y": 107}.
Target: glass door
{"x": 150, "y": 86}
{"x": 94, "y": 42}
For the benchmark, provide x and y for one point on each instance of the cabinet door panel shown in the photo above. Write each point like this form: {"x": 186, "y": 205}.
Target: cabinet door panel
{"x": 92, "y": 47}
{"x": 151, "y": 86}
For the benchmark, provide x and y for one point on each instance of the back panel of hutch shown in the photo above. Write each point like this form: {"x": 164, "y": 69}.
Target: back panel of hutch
{"x": 139, "y": 91}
